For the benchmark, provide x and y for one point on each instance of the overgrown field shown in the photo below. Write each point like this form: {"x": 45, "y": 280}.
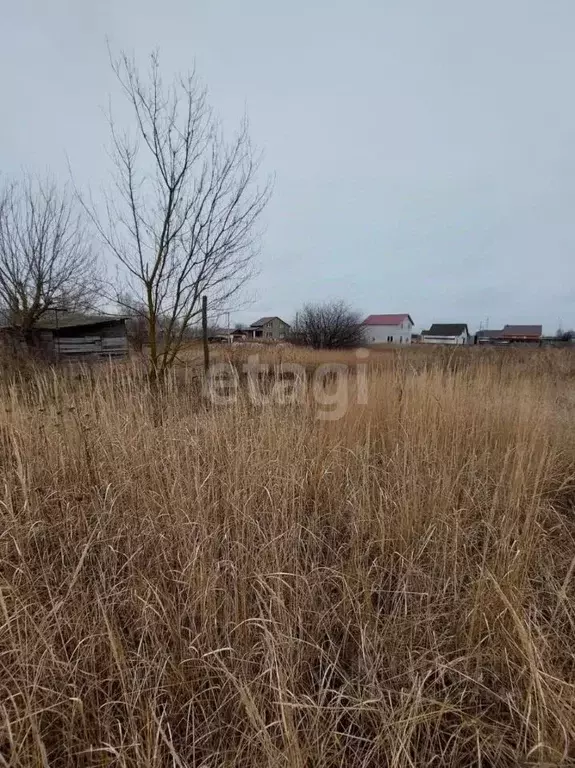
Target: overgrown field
{"x": 185, "y": 584}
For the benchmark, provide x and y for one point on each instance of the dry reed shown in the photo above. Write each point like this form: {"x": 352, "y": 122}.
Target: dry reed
{"x": 251, "y": 586}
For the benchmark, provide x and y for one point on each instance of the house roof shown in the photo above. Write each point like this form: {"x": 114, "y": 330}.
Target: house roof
{"x": 265, "y": 320}
{"x": 51, "y": 322}
{"x": 523, "y": 330}
{"x": 512, "y": 330}
{"x": 387, "y": 319}
{"x": 447, "y": 329}
{"x": 489, "y": 334}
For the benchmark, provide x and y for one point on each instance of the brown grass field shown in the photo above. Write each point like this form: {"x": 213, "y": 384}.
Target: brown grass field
{"x": 183, "y": 584}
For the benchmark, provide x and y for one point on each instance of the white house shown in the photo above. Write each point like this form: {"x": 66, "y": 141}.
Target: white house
{"x": 446, "y": 333}
{"x": 388, "y": 329}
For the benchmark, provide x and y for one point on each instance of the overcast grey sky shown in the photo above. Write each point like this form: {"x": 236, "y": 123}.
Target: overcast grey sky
{"x": 424, "y": 151}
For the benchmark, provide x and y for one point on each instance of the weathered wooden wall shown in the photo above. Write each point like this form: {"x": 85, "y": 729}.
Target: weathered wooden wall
{"x": 91, "y": 346}
{"x": 101, "y": 341}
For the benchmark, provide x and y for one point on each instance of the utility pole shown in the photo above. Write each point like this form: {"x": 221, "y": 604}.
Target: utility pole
{"x": 205, "y": 333}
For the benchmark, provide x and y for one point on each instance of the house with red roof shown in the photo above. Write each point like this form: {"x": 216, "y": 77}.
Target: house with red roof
{"x": 388, "y": 329}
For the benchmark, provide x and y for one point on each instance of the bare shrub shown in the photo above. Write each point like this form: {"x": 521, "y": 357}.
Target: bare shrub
{"x": 332, "y": 325}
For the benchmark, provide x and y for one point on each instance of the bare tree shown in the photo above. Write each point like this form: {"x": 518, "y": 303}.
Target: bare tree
{"x": 46, "y": 258}
{"x": 182, "y": 215}
{"x": 562, "y": 335}
{"x": 330, "y": 325}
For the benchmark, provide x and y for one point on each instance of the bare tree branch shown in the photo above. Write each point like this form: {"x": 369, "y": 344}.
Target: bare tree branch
{"x": 181, "y": 219}
{"x": 46, "y": 258}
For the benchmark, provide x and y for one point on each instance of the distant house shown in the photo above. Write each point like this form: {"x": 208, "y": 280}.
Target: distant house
{"x": 511, "y": 334}
{"x": 388, "y": 329}
{"x": 268, "y": 328}
{"x": 219, "y": 335}
{"x": 522, "y": 333}
{"x": 446, "y": 333}
{"x": 239, "y": 334}
{"x": 70, "y": 335}
{"x": 486, "y": 336}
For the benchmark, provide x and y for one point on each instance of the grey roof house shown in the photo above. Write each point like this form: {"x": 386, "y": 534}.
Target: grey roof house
{"x": 269, "y": 328}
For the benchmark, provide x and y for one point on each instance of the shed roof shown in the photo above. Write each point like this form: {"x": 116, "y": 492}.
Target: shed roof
{"x": 447, "y": 329}
{"x": 387, "y": 319}
{"x": 74, "y": 319}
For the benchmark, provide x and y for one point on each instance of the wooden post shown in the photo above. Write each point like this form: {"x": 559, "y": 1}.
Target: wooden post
{"x": 205, "y": 333}
{"x": 57, "y": 345}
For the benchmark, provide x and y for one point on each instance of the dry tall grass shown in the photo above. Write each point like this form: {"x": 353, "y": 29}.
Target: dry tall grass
{"x": 250, "y": 586}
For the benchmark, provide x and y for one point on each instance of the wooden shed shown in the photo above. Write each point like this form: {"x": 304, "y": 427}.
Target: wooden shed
{"x": 69, "y": 335}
